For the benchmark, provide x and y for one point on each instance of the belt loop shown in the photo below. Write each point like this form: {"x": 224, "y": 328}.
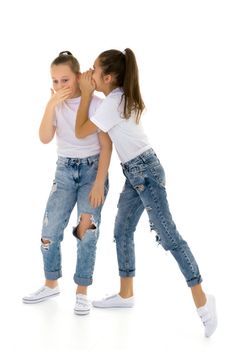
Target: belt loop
{"x": 142, "y": 158}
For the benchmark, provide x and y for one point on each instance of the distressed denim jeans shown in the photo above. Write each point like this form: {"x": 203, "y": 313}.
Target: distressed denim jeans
{"x": 73, "y": 182}
{"x": 145, "y": 189}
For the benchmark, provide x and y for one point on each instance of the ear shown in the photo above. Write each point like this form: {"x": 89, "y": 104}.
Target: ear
{"x": 78, "y": 76}
{"x": 108, "y": 79}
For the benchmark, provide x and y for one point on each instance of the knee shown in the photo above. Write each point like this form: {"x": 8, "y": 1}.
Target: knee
{"x": 51, "y": 240}
{"x": 45, "y": 243}
{"x": 86, "y": 222}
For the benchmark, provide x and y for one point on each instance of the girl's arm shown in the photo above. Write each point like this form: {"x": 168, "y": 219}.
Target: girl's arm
{"x": 96, "y": 195}
{"x": 47, "y": 129}
{"x": 83, "y": 126}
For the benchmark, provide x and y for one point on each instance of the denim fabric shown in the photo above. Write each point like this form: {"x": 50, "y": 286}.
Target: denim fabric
{"x": 145, "y": 189}
{"x": 73, "y": 182}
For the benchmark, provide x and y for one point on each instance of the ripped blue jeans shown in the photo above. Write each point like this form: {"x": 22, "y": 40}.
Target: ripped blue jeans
{"x": 145, "y": 189}
{"x": 73, "y": 182}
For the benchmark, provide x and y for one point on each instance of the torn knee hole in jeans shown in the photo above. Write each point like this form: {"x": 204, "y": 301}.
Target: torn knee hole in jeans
{"x": 45, "y": 243}
{"x": 157, "y": 236}
{"x": 86, "y": 222}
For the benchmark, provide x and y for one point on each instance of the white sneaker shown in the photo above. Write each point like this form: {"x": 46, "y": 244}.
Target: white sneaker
{"x": 41, "y": 294}
{"x": 114, "y": 301}
{"x": 83, "y": 305}
{"x": 208, "y": 315}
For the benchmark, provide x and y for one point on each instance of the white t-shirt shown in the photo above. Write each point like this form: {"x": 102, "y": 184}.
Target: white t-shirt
{"x": 68, "y": 145}
{"x": 128, "y": 136}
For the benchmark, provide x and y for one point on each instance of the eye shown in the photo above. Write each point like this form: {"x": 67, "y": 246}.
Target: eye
{"x": 55, "y": 81}
{"x": 65, "y": 80}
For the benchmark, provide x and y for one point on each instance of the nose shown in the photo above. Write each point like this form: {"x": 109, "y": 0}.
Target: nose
{"x": 60, "y": 85}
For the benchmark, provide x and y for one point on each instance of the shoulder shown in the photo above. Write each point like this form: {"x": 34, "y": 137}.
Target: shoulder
{"x": 116, "y": 94}
{"x": 115, "y": 100}
{"x": 96, "y": 100}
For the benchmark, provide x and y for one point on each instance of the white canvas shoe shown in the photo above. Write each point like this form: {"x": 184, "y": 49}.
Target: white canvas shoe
{"x": 40, "y": 295}
{"x": 208, "y": 315}
{"x": 114, "y": 301}
{"x": 82, "y": 305}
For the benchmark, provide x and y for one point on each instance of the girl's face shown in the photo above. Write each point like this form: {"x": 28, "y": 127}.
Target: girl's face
{"x": 97, "y": 76}
{"x": 63, "y": 77}
{"x": 102, "y": 82}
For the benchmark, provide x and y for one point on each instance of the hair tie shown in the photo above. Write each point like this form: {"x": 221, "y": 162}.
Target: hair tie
{"x": 65, "y": 53}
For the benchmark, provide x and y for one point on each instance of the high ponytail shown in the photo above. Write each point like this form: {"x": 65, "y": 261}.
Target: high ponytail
{"x": 123, "y": 67}
{"x": 132, "y": 94}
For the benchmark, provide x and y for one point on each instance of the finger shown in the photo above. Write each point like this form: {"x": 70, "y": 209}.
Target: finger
{"x": 92, "y": 200}
{"x": 98, "y": 202}
{"x": 85, "y": 75}
{"x": 89, "y": 73}
{"x": 93, "y": 83}
{"x": 93, "y": 203}
{"x": 65, "y": 92}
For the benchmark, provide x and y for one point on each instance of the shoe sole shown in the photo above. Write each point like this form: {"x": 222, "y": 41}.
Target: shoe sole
{"x": 113, "y": 306}
{"x": 36, "y": 301}
{"x": 81, "y": 313}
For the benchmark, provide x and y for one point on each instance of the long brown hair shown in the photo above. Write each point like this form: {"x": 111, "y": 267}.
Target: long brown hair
{"x": 123, "y": 67}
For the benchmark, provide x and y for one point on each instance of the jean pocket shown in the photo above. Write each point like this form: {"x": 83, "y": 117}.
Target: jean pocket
{"x": 93, "y": 166}
{"x": 61, "y": 163}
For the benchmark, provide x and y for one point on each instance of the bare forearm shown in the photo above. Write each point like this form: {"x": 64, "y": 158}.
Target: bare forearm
{"x": 83, "y": 126}
{"x": 104, "y": 162}
{"x": 82, "y": 114}
{"x": 47, "y": 129}
{"x": 97, "y": 194}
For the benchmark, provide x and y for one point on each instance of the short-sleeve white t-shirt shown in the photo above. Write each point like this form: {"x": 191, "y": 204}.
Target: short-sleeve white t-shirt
{"x": 68, "y": 145}
{"x": 127, "y": 136}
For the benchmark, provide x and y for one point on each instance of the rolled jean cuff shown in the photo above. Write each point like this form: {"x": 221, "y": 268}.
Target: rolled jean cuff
{"x": 52, "y": 275}
{"x": 129, "y": 273}
{"x": 193, "y": 282}
{"x": 82, "y": 281}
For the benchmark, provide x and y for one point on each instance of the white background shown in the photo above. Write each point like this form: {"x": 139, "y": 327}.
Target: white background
{"x": 185, "y": 57}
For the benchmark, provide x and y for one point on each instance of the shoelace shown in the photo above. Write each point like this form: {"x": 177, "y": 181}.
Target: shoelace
{"x": 82, "y": 301}
{"x": 110, "y": 297}
{"x": 206, "y": 318}
{"x": 39, "y": 290}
